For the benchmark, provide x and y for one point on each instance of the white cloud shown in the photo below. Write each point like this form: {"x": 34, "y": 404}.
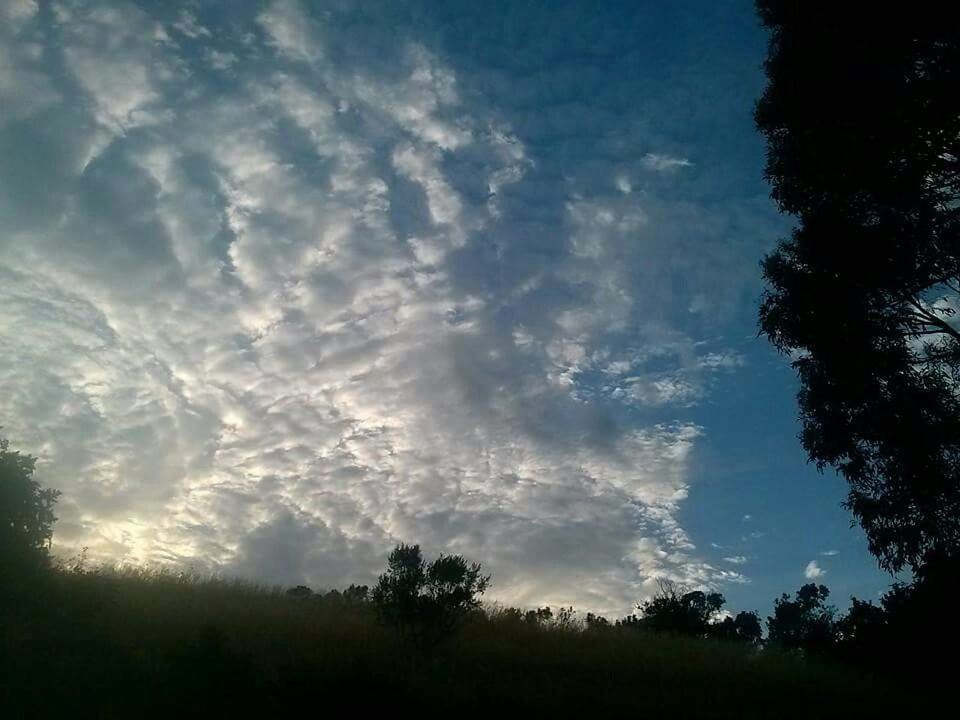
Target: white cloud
{"x": 291, "y": 31}
{"x": 813, "y": 571}
{"x": 664, "y": 163}
{"x": 736, "y": 560}
{"x": 273, "y": 319}
{"x": 187, "y": 24}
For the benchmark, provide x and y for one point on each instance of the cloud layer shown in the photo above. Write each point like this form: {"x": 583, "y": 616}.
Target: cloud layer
{"x": 282, "y": 288}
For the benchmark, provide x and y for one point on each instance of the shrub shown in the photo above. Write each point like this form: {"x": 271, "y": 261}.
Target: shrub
{"x": 426, "y": 601}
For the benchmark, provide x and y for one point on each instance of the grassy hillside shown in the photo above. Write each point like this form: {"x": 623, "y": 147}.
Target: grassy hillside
{"x": 120, "y": 644}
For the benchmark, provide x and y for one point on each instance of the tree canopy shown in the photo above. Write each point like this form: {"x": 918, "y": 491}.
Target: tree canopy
{"x": 26, "y": 513}
{"x": 805, "y": 622}
{"x": 694, "y": 614}
{"x": 425, "y": 601}
{"x": 862, "y": 120}
{"x": 688, "y": 613}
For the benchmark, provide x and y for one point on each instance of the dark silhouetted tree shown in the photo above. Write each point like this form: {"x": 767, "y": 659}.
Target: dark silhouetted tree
{"x": 862, "y": 635}
{"x": 301, "y": 592}
{"x": 862, "y": 120}
{"x": 745, "y": 628}
{"x": 690, "y": 614}
{"x": 26, "y": 514}
{"x": 906, "y": 635}
{"x": 629, "y": 622}
{"x": 539, "y": 616}
{"x": 426, "y": 601}
{"x": 804, "y": 623}
{"x": 596, "y": 622}
{"x": 356, "y": 594}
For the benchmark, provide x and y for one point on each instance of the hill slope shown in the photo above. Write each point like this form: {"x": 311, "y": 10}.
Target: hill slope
{"x": 116, "y": 644}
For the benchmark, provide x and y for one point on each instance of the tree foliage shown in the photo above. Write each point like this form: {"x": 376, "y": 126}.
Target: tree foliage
{"x": 426, "y": 601}
{"x": 862, "y": 120}
{"x": 688, "y": 613}
{"x": 693, "y": 614}
{"x": 804, "y": 622}
{"x": 897, "y": 636}
{"x": 745, "y": 627}
{"x": 26, "y": 514}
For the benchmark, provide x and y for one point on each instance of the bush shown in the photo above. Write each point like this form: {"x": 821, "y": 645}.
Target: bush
{"x": 426, "y": 601}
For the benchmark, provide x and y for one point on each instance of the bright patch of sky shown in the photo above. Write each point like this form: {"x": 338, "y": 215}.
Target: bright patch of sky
{"x": 286, "y": 283}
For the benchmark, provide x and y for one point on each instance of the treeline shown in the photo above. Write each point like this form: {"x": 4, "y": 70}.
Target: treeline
{"x": 426, "y": 603}
{"x": 900, "y": 635}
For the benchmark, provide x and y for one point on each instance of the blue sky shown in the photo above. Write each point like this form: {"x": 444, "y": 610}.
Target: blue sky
{"x": 286, "y": 283}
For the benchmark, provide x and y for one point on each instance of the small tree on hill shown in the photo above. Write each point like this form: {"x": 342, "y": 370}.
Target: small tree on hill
{"x": 426, "y": 601}
{"x": 690, "y": 613}
{"x": 693, "y": 614}
{"x": 805, "y": 622}
{"x": 745, "y": 628}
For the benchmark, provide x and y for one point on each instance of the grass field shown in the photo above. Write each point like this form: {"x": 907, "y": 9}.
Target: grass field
{"x": 129, "y": 643}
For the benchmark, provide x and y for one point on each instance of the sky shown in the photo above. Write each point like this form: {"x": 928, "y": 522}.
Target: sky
{"x": 285, "y": 283}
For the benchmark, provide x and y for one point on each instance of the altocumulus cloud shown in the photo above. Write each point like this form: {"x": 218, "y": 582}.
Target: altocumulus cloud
{"x": 283, "y": 285}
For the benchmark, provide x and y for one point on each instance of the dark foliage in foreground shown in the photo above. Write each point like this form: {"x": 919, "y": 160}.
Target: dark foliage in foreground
{"x": 131, "y": 643}
{"x": 122, "y": 642}
{"x": 425, "y": 601}
{"x": 26, "y": 516}
{"x": 909, "y": 632}
{"x": 804, "y": 622}
{"x": 862, "y": 121}
{"x": 694, "y": 614}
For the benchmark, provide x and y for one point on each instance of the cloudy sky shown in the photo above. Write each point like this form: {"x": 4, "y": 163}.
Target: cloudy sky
{"x": 285, "y": 283}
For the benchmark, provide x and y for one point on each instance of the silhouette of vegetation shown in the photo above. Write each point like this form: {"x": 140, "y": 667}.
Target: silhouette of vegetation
{"x": 745, "y": 627}
{"x": 860, "y": 635}
{"x": 119, "y": 642}
{"x": 898, "y": 637}
{"x": 805, "y": 622}
{"x": 426, "y": 601}
{"x": 26, "y": 515}
{"x": 862, "y": 121}
{"x": 300, "y": 591}
{"x": 690, "y": 613}
{"x": 538, "y": 616}
{"x": 693, "y": 614}
{"x": 565, "y": 618}
{"x": 112, "y": 639}
{"x": 596, "y": 622}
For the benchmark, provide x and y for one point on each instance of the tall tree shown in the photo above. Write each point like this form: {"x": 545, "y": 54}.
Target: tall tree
{"x": 862, "y": 120}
